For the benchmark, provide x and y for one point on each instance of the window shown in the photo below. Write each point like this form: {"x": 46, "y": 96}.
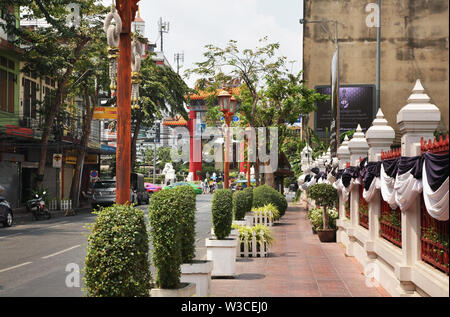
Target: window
{"x": 29, "y": 98}
{"x": 3, "y": 89}
{"x": 7, "y": 82}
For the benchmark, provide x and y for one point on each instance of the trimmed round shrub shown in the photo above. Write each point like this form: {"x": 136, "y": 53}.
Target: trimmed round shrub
{"x": 186, "y": 204}
{"x": 264, "y": 195}
{"x": 242, "y": 203}
{"x": 117, "y": 263}
{"x": 165, "y": 236}
{"x": 222, "y": 212}
{"x": 326, "y": 196}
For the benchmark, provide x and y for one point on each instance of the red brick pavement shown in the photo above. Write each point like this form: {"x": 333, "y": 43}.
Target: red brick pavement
{"x": 299, "y": 265}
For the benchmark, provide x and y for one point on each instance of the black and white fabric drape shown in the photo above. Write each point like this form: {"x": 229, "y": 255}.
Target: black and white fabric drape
{"x": 402, "y": 180}
{"x": 435, "y": 185}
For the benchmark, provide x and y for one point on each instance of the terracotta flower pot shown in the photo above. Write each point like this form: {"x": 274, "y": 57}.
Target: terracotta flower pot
{"x": 327, "y": 235}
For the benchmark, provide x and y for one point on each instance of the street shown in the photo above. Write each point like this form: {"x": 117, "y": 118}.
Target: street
{"x": 34, "y": 256}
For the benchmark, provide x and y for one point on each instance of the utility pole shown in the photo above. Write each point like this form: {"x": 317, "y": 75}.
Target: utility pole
{"x": 179, "y": 57}
{"x": 127, "y": 10}
{"x": 163, "y": 28}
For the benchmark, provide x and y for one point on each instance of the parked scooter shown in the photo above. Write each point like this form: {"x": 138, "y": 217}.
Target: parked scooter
{"x": 6, "y": 214}
{"x": 38, "y": 209}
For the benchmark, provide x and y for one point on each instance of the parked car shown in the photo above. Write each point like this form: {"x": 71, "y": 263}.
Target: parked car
{"x": 151, "y": 188}
{"x": 197, "y": 187}
{"x": 104, "y": 193}
{"x": 6, "y": 213}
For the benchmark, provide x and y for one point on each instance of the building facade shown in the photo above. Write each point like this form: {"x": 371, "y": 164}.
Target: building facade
{"x": 414, "y": 44}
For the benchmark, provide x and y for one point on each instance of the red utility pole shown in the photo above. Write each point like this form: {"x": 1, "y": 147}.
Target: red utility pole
{"x": 127, "y": 11}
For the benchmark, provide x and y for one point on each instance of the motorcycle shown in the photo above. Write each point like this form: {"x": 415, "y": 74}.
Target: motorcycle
{"x": 6, "y": 215}
{"x": 38, "y": 209}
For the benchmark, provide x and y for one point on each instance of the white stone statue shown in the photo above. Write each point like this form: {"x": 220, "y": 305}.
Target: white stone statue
{"x": 169, "y": 173}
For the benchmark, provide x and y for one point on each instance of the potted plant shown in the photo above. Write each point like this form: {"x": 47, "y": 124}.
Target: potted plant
{"x": 192, "y": 270}
{"x": 221, "y": 249}
{"x": 166, "y": 238}
{"x": 326, "y": 196}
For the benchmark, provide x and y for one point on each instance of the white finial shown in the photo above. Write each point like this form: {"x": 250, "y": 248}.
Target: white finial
{"x": 418, "y": 95}
{"x": 418, "y": 86}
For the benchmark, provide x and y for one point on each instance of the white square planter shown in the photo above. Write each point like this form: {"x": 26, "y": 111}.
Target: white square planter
{"x": 198, "y": 273}
{"x": 223, "y": 255}
{"x": 185, "y": 290}
{"x": 234, "y": 234}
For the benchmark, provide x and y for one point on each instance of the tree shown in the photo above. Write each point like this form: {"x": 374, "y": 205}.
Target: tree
{"x": 251, "y": 66}
{"x": 162, "y": 91}
{"x": 53, "y": 51}
{"x": 89, "y": 78}
{"x": 281, "y": 103}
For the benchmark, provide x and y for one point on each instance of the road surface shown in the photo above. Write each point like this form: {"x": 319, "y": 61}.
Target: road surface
{"x": 43, "y": 258}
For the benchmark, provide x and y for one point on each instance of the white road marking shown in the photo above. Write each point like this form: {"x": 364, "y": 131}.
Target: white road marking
{"x": 62, "y": 251}
{"x": 15, "y": 267}
{"x": 11, "y": 235}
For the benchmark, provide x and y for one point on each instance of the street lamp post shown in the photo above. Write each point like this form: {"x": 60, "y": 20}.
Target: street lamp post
{"x": 227, "y": 104}
{"x": 127, "y": 10}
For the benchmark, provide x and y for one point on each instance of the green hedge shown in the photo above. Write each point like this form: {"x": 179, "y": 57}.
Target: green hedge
{"x": 264, "y": 195}
{"x": 186, "y": 201}
{"x": 165, "y": 235}
{"x": 117, "y": 263}
{"x": 242, "y": 203}
{"x": 222, "y": 212}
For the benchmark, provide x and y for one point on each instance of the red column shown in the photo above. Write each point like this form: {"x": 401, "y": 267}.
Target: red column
{"x": 127, "y": 10}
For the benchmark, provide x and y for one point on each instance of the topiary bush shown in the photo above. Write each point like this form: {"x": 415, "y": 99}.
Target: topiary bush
{"x": 222, "y": 212}
{"x": 264, "y": 195}
{"x": 117, "y": 263}
{"x": 186, "y": 201}
{"x": 242, "y": 203}
{"x": 165, "y": 233}
{"x": 325, "y": 196}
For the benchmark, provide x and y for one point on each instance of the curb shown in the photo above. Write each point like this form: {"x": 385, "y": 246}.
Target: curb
{"x": 24, "y": 217}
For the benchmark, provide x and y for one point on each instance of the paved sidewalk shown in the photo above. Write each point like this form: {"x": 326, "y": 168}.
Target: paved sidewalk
{"x": 299, "y": 265}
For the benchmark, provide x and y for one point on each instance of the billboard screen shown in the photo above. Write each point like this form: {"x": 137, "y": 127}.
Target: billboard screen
{"x": 356, "y": 105}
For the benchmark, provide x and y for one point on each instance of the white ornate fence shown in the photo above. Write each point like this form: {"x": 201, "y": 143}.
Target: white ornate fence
{"x": 402, "y": 268}
{"x": 250, "y": 246}
{"x": 66, "y": 204}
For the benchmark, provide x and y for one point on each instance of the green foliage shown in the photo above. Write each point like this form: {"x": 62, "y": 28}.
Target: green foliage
{"x": 117, "y": 262}
{"x": 165, "y": 233}
{"x": 242, "y": 203}
{"x": 325, "y": 195}
{"x": 247, "y": 231}
{"x": 315, "y": 216}
{"x": 186, "y": 199}
{"x": 297, "y": 195}
{"x": 222, "y": 212}
{"x": 269, "y": 210}
{"x": 264, "y": 195}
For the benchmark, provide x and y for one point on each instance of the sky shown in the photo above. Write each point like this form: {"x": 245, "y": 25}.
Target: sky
{"x": 196, "y": 23}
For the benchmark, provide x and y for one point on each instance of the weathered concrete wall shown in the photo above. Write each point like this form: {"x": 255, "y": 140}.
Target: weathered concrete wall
{"x": 414, "y": 44}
